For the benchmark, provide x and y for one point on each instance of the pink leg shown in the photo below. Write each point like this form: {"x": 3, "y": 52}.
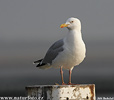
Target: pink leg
{"x": 70, "y": 72}
{"x": 61, "y": 71}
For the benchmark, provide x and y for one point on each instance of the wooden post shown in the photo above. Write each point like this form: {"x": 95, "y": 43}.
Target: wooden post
{"x": 62, "y": 92}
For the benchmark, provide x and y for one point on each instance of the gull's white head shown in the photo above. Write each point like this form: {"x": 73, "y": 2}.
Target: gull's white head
{"x": 72, "y": 23}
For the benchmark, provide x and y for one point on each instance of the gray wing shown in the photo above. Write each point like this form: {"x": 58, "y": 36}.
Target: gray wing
{"x": 53, "y": 51}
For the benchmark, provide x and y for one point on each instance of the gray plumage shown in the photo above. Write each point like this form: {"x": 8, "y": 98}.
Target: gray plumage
{"x": 51, "y": 54}
{"x": 53, "y": 51}
{"x": 67, "y": 52}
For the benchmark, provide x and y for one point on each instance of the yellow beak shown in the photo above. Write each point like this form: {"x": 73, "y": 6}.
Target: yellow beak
{"x": 63, "y": 25}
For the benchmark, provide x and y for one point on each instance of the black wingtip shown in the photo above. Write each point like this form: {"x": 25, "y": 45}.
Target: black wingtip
{"x": 38, "y": 61}
{"x": 40, "y": 64}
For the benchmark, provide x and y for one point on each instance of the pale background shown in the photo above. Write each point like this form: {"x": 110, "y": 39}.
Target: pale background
{"x": 29, "y": 27}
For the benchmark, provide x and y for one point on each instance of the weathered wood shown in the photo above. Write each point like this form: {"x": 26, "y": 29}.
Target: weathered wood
{"x": 62, "y": 92}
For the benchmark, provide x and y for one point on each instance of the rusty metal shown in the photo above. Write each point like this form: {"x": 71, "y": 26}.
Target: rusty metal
{"x": 62, "y": 92}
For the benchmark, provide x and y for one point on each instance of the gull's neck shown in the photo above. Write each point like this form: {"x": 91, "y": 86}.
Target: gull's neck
{"x": 74, "y": 37}
{"x": 74, "y": 34}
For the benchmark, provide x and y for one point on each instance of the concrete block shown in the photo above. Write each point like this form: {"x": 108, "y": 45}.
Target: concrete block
{"x": 62, "y": 92}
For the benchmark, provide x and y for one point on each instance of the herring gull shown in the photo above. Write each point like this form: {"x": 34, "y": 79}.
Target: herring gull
{"x": 67, "y": 52}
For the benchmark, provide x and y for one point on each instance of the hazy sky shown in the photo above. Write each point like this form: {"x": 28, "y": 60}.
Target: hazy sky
{"x": 38, "y": 20}
{"x": 28, "y": 23}
{"x": 29, "y": 27}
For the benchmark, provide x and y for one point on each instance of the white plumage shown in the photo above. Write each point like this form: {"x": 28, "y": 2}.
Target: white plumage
{"x": 73, "y": 53}
{"x": 67, "y": 52}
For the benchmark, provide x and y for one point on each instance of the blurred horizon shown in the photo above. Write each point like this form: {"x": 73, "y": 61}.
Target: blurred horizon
{"x": 28, "y": 28}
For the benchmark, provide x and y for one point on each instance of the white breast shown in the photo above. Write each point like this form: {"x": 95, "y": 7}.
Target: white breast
{"x": 74, "y": 51}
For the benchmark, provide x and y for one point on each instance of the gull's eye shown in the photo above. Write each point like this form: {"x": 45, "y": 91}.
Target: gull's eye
{"x": 71, "y": 21}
